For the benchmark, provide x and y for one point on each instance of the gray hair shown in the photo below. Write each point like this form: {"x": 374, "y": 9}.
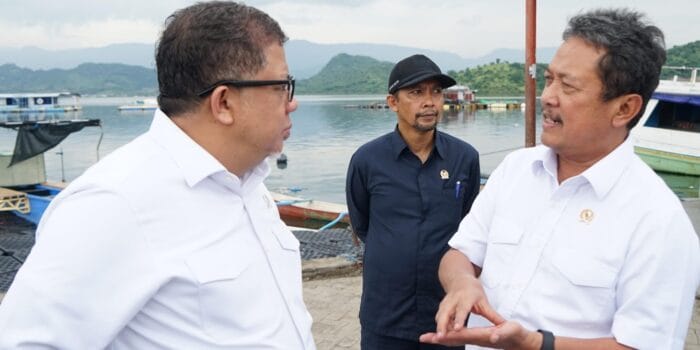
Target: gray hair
{"x": 634, "y": 51}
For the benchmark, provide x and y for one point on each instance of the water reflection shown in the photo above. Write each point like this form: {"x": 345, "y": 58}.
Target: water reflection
{"x": 324, "y": 137}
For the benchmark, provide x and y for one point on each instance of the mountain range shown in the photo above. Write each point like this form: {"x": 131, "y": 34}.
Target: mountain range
{"x": 342, "y": 74}
{"x": 305, "y": 58}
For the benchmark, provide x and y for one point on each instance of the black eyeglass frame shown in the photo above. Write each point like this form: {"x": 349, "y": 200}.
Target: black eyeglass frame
{"x": 290, "y": 82}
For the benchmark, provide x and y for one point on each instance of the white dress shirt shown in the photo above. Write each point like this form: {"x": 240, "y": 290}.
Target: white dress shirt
{"x": 608, "y": 253}
{"x": 158, "y": 246}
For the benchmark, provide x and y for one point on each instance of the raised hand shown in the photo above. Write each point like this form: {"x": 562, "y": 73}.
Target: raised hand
{"x": 465, "y": 295}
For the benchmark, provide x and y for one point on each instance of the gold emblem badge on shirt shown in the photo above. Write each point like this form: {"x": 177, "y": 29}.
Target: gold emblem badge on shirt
{"x": 586, "y": 216}
{"x": 444, "y": 174}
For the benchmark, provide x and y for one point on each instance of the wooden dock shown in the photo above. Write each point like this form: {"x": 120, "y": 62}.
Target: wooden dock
{"x": 375, "y": 105}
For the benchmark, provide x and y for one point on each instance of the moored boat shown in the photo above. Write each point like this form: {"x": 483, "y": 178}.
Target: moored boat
{"x": 296, "y": 211}
{"x": 38, "y": 197}
{"x": 43, "y": 102}
{"x": 23, "y": 186}
{"x": 149, "y": 104}
{"x": 668, "y": 134}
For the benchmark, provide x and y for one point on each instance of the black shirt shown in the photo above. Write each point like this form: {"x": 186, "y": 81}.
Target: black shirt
{"x": 405, "y": 212}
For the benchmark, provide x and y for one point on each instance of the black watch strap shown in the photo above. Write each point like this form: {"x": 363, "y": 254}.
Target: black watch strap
{"x": 547, "y": 340}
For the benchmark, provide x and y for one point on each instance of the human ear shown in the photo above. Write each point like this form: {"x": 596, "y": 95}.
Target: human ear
{"x": 222, "y": 103}
{"x": 628, "y": 106}
{"x": 392, "y": 102}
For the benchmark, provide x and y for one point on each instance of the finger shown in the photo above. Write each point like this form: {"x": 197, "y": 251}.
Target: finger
{"x": 443, "y": 318}
{"x": 460, "y": 318}
{"x": 490, "y": 314}
{"x": 476, "y": 336}
{"x": 428, "y": 338}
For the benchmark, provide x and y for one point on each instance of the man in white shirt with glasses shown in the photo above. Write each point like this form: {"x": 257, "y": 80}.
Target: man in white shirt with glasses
{"x": 173, "y": 241}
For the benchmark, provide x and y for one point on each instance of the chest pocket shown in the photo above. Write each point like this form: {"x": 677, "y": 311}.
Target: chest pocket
{"x": 502, "y": 246}
{"x": 227, "y": 283}
{"x": 582, "y": 270}
{"x": 588, "y": 281}
{"x": 451, "y": 202}
{"x": 285, "y": 238}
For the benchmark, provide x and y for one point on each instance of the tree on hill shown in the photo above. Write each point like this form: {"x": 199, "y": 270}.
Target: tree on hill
{"x": 346, "y": 74}
{"x": 687, "y": 55}
{"x": 497, "y": 79}
{"x": 87, "y": 78}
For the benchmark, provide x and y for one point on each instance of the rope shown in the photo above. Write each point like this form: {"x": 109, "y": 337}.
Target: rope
{"x": 335, "y": 221}
{"x": 292, "y": 201}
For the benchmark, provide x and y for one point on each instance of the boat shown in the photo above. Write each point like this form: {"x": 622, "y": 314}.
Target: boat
{"x": 667, "y": 136}
{"x": 37, "y": 199}
{"x": 43, "y": 102}
{"x": 23, "y": 187}
{"x": 301, "y": 212}
{"x": 149, "y": 104}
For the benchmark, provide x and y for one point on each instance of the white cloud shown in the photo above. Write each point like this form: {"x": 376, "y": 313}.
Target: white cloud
{"x": 466, "y": 27}
{"x": 79, "y": 35}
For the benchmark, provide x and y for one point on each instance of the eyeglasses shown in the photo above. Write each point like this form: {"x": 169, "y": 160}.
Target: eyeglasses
{"x": 288, "y": 85}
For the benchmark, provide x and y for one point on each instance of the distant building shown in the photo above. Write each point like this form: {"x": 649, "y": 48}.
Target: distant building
{"x": 458, "y": 94}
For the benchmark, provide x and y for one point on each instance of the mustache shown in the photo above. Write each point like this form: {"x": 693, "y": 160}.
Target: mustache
{"x": 550, "y": 115}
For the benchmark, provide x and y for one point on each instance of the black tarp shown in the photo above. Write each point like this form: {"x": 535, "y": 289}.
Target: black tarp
{"x": 37, "y": 137}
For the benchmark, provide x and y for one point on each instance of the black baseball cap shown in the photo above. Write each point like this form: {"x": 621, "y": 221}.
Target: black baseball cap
{"x": 414, "y": 69}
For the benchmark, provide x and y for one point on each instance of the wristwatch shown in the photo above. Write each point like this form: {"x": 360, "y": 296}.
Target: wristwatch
{"x": 547, "y": 340}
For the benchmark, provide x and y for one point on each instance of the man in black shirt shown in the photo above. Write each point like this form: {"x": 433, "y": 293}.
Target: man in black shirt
{"x": 407, "y": 191}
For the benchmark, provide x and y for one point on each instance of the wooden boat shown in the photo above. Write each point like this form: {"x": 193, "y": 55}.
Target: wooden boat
{"x": 297, "y": 211}
{"x": 668, "y": 135}
{"x": 34, "y": 199}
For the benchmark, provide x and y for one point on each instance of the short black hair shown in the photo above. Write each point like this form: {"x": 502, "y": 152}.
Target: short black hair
{"x": 207, "y": 42}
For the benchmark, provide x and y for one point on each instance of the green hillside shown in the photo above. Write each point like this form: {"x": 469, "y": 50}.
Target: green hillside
{"x": 346, "y": 74}
{"x": 497, "y": 79}
{"x": 684, "y": 55}
{"x": 87, "y": 78}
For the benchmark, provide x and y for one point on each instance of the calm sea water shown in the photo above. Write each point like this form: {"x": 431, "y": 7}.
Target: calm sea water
{"x": 324, "y": 135}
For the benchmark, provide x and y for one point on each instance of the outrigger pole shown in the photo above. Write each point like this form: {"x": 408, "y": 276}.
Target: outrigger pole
{"x": 530, "y": 70}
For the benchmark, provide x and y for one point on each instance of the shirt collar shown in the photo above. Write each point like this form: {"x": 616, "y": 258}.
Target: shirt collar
{"x": 398, "y": 144}
{"x": 194, "y": 161}
{"x": 607, "y": 171}
{"x": 544, "y": 160}
{"x": 440, "y": 144}
{"x": 602, "y": 175}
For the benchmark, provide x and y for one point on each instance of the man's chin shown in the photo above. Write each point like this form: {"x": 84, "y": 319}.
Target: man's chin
{"x": 425, "y": 128}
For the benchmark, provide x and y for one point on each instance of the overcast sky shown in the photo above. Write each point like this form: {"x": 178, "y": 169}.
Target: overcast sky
{"x": 469, "y": 28}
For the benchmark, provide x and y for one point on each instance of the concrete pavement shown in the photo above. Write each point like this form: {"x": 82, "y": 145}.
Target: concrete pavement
{"x": 334, "y": 304}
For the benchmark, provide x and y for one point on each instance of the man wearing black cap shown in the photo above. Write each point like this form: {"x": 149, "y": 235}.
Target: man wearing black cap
{"x": 407, "y": 192}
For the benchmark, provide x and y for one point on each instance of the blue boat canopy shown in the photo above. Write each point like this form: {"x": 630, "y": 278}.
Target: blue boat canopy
{"x": 662, "y": 96}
